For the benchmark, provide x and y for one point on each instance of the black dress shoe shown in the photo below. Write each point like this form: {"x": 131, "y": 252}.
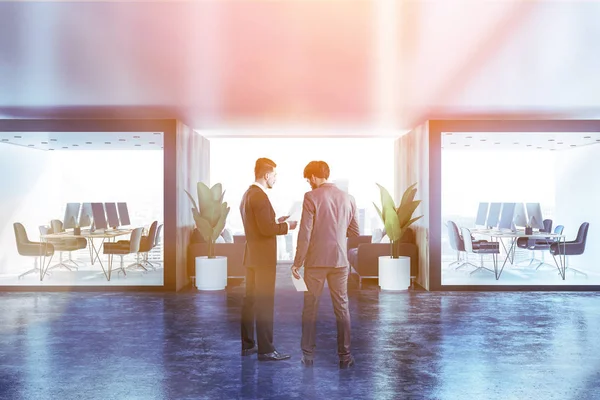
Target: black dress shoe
{"x": 249, "y": 352}
{"x": 274, "y": 356}
{"x": 307, "y": 363}
{"x": 347, "y": 363}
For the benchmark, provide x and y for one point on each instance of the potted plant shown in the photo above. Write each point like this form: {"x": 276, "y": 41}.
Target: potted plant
{"x": 394, "y": 270}
{"x": 210, "y": 215}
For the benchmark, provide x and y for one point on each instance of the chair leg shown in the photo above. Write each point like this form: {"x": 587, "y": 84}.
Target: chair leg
{"x": 480, "y": 268}
{"x": 70, "y": 260}
{"x": 36, "y": 268}
{"x": 137, "y": 264}
{"x": 60, "y": 263}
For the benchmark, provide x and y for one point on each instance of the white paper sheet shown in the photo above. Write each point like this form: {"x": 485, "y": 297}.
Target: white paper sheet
{"x": 299, "y": 284}
{"x": 295, "y": 212}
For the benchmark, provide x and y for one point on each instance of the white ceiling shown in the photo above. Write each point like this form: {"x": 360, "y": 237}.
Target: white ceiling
{"x": 214, "y": 63}
{"x": 69, "y": 141}
{"x": 518, "y": 140}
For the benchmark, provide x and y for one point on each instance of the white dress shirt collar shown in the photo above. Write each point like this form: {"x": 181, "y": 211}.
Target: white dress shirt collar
{"x": 261, "y": 186}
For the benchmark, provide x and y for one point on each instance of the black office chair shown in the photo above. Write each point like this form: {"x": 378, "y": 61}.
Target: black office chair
{"x": 39, "y": 250}
{"x": 457, "y": 244}
{"x": 572, "y": 248}
{"x": 482, "y": 247}
{"x": 538, "y": 244}
{"x": 547, "y": 226}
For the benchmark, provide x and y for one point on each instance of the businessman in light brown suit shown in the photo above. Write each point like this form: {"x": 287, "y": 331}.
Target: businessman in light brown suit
{"x": 328, "y": 218}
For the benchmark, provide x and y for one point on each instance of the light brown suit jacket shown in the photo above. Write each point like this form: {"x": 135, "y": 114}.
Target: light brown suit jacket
{"x": 328, "y": 218}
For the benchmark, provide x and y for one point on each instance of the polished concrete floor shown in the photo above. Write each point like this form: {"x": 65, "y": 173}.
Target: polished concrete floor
{"x": 412, "y": 345}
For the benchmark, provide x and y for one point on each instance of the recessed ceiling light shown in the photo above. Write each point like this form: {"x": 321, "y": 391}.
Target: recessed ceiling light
{"x": 53, "y": 140}
{"x": 539, "y": 148}
{"x": 529, "y": 145}
{"x": 452, "y": 142}
{"x": 157, "y": 133}
{"x": 587, "y": 137}
{"x": 516, "y": 143}
{"x": 137, "y": 145}
{"x": 152, "y": 143}
{"x": 136, "y": 137}
{"x": 469, "y": 137}
{"x": 5, "y": 140}
{"x": 552, "y": 149}
{"x": 467, "y": 145}
{"x": 573, "y": 145}
{"x": 30, "y": 145}
{"x": 483, "y": 140}
{"x": 106, "y": 142}
{"x": 496, "y": 142}
{"x": 17, "y": 137}
{"x": 597, "y": 140}
{"x": 75, "y": 145}
{"x": 88, "y": 142}
{"x": 122, "y": 140}
{"x": 44, "y": 142}
{"x": 559, "y": 142}
{"x": 65, "y": 147}
{"x": 551, "y": 140}
{"x": 51, "y": 149}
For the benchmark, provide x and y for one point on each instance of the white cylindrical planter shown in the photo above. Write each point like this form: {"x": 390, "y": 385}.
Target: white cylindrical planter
{"x": 211, "y": 273}
{"x": 394, "y": 273}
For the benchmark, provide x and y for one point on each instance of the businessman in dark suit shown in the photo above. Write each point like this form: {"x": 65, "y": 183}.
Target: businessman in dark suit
{"x": 260, "y": 260}
{"x": 328, "y": 218}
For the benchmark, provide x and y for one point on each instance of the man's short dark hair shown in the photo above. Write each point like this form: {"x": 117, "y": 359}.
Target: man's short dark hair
{"x": 319, "y": 169}
{"x": 263, "y": 166}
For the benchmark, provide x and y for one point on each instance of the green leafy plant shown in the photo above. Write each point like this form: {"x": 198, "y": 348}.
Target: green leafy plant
{"x": 210, "y": 213}
{"x": 398, "y": 219}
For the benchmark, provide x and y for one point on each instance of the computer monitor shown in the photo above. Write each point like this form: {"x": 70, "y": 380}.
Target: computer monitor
{"x": 111, "y": 215}
{"x": 520, "y": 217}
{"x": 493, "y": 215}
{"x": 85, "y": 218}
{"x": 534, "y": 213}
{"x": 482, "y": 214}
{"x": 71, "y": 215}
{"x": 506, "y": 218}
{"x": 123, "y": 214}
{"x": 99, "y": 216}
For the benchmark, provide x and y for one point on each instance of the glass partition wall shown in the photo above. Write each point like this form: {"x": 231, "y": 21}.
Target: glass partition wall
{"x": 520, "y": 208}
{"x": 81, "y": 209}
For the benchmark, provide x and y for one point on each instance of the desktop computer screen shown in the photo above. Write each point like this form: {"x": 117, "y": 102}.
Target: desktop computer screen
{"x": 534, "y": 213}
{"x": 111, "y": 215}
{"x": 71, "y": 215}
{"x": 520, "y": 217}
{"x": 123, "y": 214}
{"x": 99, "y": 216}
{"x": 85, "y": 218}
{"x": 494, "y": 215}
{"x": 506, "y": 218}
{"x": 481, "y": 214}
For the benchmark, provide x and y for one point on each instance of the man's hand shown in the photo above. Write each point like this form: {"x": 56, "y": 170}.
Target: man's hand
{"x": 282, "y": 219}
{"x": 292, "y": 224}
{"x": 295, "y": 272}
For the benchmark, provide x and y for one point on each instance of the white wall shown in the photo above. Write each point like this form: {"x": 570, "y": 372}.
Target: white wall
{"x": 26, "y": 196}
{"x": 578, "y": 200}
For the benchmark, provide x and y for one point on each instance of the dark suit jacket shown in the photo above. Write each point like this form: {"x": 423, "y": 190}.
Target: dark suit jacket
{"x": 261, "y": 229}
{"x": 328, "y": 218}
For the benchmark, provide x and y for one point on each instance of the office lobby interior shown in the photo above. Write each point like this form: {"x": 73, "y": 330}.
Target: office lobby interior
{"x": 111, "y": 111}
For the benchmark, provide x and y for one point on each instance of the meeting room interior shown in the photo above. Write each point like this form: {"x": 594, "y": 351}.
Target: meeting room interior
{"x": 517, "y": 208}
{"x": 84, "y": 209}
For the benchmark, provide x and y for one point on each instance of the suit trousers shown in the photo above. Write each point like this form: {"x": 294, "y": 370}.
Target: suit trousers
{"x": 257, "y": 308}
{"x": 337, "y": 280}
